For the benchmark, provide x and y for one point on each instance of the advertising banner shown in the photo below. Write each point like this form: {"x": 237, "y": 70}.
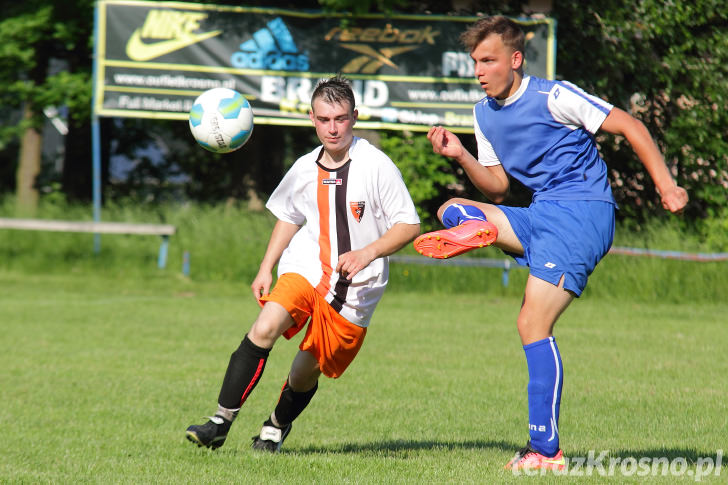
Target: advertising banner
{"x": 408, "y": 72}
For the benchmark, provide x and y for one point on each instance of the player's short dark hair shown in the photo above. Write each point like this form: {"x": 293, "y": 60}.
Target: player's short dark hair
{"x": 335, "y": 90}
{"x": 509, "y": 31}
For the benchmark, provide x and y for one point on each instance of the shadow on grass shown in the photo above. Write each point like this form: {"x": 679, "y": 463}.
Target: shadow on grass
{"x": 402, "y": 446}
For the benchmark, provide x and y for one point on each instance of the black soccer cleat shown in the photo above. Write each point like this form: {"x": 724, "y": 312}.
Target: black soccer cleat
{"x": 212, "y": 434}
{"x": 271, "y": 437}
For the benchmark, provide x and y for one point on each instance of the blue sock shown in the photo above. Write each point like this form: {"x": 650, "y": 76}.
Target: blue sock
{"x": 545, "y": 378}
{"x": 456, "y": 214}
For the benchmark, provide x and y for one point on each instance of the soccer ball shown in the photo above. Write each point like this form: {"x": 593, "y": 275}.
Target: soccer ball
{"x": 221, "y": 120}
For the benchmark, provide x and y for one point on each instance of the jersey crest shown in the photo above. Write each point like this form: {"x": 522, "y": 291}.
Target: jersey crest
{"x": 357, "y": 210}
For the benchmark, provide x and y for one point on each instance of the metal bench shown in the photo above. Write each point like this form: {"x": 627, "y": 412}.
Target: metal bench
{"x": 505, "y": 264}
{"x": 162, "y": 230}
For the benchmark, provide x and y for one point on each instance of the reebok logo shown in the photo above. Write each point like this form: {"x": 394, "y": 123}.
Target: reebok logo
{"x": 372, "y": 60}
{"x": 359, "y": 40}
{"x": 272, "y": 47}
{"x": 170, "y": 30}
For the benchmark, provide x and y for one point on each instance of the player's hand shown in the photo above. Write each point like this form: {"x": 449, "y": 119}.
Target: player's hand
{"x": 261, "y": 285}
{"x": 352, "y": 262}
{"x": 675, "y": 199}
{"x": 444, "y": 142}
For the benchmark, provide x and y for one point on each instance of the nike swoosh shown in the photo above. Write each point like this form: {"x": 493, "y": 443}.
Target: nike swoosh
{"x": 137, "y": 50}
{"x": 554, "y": 462}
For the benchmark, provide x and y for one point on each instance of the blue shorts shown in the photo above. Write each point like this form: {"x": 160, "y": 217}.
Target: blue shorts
{"x": 562, "y": 237}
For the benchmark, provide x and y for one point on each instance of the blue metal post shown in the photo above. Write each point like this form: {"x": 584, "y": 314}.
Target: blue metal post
{"x": 96, "y": 178}
{"x": 96, "y": 137}
{"x": 506, "y": 270}
{"x": 186, "y": 263}
{"x": 162, "y": 260}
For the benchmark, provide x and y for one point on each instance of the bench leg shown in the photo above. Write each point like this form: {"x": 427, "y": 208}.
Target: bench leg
{"x": 186, "y": 263}
{"x": 162, "y": 259}
{"x": 506, "y": 270}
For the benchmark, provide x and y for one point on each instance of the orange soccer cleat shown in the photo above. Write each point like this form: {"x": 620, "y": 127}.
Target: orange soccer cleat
{"x": 446, "y": 243}
{"x": 529, "y": 459}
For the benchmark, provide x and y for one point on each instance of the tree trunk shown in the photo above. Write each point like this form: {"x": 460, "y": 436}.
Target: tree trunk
{"x": 28, "y": 168}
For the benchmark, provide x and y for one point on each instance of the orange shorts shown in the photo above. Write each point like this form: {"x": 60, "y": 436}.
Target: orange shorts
{"x": 333, "y": 340}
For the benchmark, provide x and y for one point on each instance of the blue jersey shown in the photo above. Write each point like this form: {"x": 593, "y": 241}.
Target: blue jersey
{"x": 543, "y": 135}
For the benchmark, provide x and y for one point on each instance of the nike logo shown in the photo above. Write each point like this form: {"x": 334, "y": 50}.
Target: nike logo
{"x": 137, "y": 50}
{"x": 560, "y": 461}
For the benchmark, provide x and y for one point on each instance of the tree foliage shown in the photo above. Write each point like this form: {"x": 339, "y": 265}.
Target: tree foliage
{"x": 664, "y": 61}
{"x": 363, "y": 6}
{"x": 428, "y": 175}
{"x": 45, "y": 61}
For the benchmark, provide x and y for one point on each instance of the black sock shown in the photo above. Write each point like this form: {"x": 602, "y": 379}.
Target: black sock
{"x": 292, "y": 403}
{"x": 243, "y": 373}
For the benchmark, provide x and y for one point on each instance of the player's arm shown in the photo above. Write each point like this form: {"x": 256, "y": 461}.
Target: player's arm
{"x": 281, "y": 236}
{"x": 391, "y": 241}
{"x": 491, "y": 181}
{"x": 619, "y": 122}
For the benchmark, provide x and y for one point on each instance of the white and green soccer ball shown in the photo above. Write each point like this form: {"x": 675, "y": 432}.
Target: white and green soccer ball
{"x": 221, "y": 120}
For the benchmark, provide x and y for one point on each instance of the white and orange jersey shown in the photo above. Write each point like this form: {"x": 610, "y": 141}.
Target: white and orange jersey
{"x": 342, "y": 210}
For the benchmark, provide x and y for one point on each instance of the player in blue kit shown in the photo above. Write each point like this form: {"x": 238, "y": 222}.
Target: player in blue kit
{"x": 541, "y": 133}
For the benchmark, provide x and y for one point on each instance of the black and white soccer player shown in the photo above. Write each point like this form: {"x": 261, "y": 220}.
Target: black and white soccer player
{"x": 341, "y": 209}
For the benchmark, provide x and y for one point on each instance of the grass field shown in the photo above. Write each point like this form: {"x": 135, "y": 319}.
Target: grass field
{"x": 101, "y": 375}
{"x": 226, "y": 242}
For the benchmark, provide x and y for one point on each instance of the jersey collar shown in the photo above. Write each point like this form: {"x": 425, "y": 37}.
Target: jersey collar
{"x": 351, "y": 154}
{"x": 515, "y": 96}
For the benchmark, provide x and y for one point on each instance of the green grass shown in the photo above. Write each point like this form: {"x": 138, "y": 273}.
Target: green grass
{"x": 102, "y": 373}
{"x": 223, "y": 242}
{"x": 226, "y": 243}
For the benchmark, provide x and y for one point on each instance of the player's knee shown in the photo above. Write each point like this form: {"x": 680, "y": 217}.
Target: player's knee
{"x": 521, "y": 323}
{"x": 454, "y": 200}
{"x": 525, "y": 325}
{"x": 272, "y": 321}
{"x": 304, "y": 372}
{"x": 441, "y": 210}
{"x": 301, "y": 380}
{"x": 532, "y": 329}
{"x": 264, "y": 333}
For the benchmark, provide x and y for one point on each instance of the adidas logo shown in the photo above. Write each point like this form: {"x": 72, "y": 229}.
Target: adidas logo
{"x": 272, "y": 47}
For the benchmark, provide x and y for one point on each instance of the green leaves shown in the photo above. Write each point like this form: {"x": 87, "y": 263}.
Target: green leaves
{"x": 426, "y": 174}
{"x": 42, "y": 42}
{"x": 664, "y": 61}
{"x": 667, "y": 64}
{"x": 363, "y": 6}
{"x": 20, "y": 35}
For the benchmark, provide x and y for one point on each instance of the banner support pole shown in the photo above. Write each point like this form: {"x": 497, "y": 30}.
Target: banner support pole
{"x": 96, "y": 137}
